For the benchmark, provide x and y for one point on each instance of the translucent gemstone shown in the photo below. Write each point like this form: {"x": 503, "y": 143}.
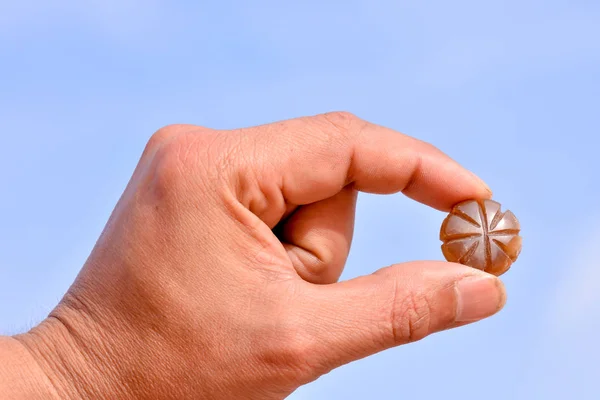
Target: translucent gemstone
{"x": 478, "y": 234}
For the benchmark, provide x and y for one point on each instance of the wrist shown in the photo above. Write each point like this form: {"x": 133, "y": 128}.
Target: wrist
{"x": 66, "y": 359}
{"x": 20, "y": 375}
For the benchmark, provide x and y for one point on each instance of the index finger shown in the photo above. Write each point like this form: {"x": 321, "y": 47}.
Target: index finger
{"x": 313, "y": 158}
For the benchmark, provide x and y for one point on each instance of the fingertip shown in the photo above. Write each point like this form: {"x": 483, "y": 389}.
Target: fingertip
{"x": 466, "y": 185}
{"x": 482, "y": 187}
{"x": 478, "y": 296}
{"x": 441, "y": 182}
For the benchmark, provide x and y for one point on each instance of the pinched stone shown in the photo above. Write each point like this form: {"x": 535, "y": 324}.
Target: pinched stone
{"x": 478, "y": 234}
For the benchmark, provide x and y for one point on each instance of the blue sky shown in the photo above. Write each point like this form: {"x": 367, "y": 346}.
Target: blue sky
{"x": 510, "y": 89}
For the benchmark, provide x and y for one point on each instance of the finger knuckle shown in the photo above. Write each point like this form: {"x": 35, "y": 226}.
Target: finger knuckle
{"x": 342, "y": 120}
{"x": 345, "y": 124}
{"x": 322, "y": 261}
{"x": 410, "y": 317}
{"x": 232, "y": 153}
{"x": 416, "y": 176}
{"x": 167, "y": 169}
{"x": 163, "y": 135}
{"x": 176, "y": 160}
{"x": 314, "y": 270}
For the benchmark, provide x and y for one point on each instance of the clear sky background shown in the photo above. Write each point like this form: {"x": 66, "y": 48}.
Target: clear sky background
{"x": 510, "y": 89}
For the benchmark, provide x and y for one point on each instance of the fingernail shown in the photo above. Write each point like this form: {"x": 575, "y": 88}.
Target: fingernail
{"x": 479, "y": 296}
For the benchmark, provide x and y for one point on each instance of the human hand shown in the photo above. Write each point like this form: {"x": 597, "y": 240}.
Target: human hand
{"x": 216, "y": 275}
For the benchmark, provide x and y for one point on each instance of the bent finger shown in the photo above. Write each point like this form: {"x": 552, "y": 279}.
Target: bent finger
{"x": 313, "y": 158}
{"x": 318, "y": 236}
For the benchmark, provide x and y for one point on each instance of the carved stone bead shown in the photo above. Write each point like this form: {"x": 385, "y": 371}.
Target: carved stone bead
{"x": 478, "y": 234}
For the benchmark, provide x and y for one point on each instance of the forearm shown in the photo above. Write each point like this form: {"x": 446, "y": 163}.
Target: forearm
{"x": 20, "y": 375}
{"x": 49, "y": 362}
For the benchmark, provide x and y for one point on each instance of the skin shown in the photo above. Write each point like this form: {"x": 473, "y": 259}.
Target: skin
{"x": 217, "y": 274}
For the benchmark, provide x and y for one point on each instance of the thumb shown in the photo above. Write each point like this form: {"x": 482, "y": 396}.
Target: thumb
{"x": 396, "y": 305}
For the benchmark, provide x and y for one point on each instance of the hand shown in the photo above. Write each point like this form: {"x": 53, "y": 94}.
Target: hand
{"x": 215, "y": 276}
